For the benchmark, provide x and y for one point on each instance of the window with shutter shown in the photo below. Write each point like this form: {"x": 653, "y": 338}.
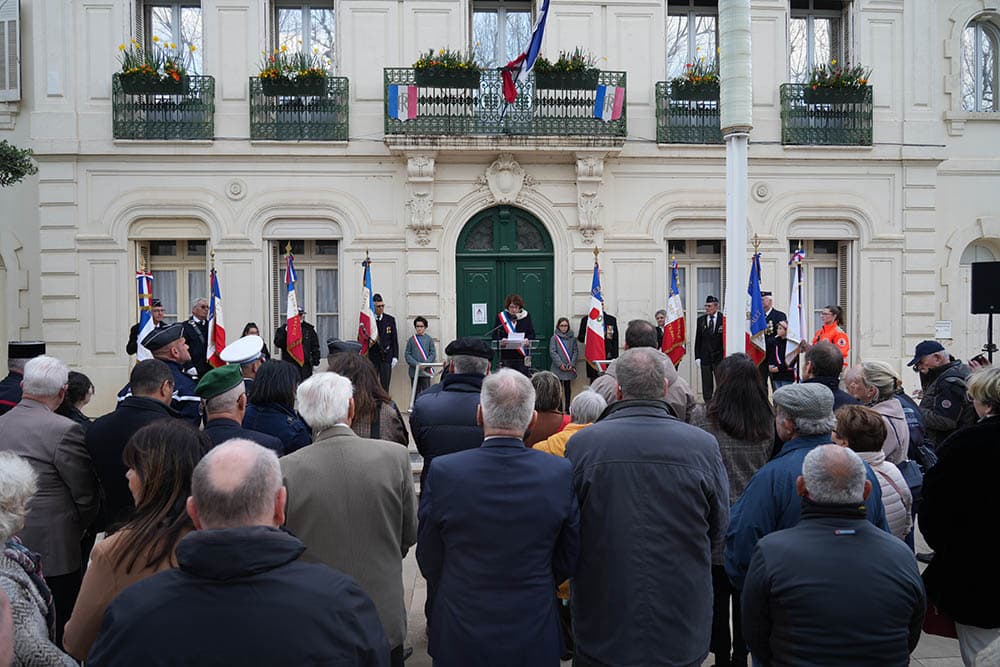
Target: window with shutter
{"x": 10, "y": 51}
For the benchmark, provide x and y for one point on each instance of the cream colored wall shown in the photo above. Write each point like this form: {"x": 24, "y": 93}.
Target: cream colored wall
{"x": 910, "y": 203}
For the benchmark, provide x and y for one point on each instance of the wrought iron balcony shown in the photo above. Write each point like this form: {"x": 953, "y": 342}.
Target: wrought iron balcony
{"x": 292, "y": 114}
{"x": 826, "y": 116}
{"x": 470, "y": 103}
{"x": 184, "y": 113}
{"x": 682, "y": 120}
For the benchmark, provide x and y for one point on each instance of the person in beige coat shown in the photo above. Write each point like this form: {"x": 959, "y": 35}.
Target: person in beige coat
{"x": 351, "y": 500}
{"x": 67, "y": 500}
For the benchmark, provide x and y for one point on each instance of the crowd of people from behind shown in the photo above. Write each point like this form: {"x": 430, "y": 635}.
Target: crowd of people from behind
{"x": 261, "y": 512}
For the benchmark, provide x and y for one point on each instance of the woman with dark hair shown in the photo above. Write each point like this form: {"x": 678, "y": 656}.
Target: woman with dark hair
{"x": 79, "y": 391}
{"x": 514, "y": 319}
{"x": 251, "y": 329}
{"x": 375, "y": 414}
{"x": 548, "y": 400}
{"x": 740, "y": 417}
{"x": 832, "y": 330}
{"x": 420, "y": 350}
{"x": 564, "y": 353}
{"x": 271, "y": 405}
{"x": 161, "y": 457}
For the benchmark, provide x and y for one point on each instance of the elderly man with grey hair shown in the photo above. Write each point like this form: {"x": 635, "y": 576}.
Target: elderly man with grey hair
{"x": 67, "y": 500}
{"x": 241, "y": 593}
{"x": 196, "y": 335}
{"x": 803, "y": 420}
{"x": 498, "y": 532}
{"x": 351, "y": 500}
{"x": 833, "y": 589}
{"x": 584, "y": 410}
{"x": 654, "y": 500}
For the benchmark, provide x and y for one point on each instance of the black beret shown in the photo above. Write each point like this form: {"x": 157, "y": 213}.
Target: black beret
{"x": 27, "y": 349}
{"x": 158, "y": 338}
{"x": 711, "y": 299}
{"x": 765, "y": 293}
{"x": 335, "y": 345}
{"x": 469, "y": 347}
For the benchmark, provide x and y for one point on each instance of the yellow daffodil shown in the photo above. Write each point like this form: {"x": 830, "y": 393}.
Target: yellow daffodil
{"x": 284, "y": 48}
{"x": 192, "y": 48}
{"x": 121, "y": 47}
{"x": 833, "y": 62}
{"x": 315, "y": 49}
{"x": 156, "y": 40}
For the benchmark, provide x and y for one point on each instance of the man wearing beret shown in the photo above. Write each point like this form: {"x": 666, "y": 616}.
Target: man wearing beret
{"x": 225, "y": 404}
{"x": 803, "y": 419}
{"x": 708, "y": 345}
{"x": 18, "y": 354}
{"x": 168, "y": 345}
{"x": 156, "y": 311}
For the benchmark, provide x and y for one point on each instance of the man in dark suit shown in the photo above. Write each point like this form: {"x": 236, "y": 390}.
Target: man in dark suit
{"x": 196, "y": 335}
{"x": 67, "y": 500}
{"x": 487, "y": 590}
{"x": 773, "y": 317}
{"x": 225, "y": 404}
{"x": 18, "y": 354}
{"x": 384, "y": 353}
{"x": 152, "y": 386}
{"x": 156, "y": 312}
{"x": 168, "y": 345}
{"x": 610, "y": 340}
{"x": 310, "y": 346}
{"x": 708, "y": 345}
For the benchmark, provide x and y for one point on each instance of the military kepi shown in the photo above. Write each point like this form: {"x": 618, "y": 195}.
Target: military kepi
{"x": 161, "y": 337}
{"x": 25, "y": 349}
{"x": 219, "y": 380}
{"x": 243, "y": 351}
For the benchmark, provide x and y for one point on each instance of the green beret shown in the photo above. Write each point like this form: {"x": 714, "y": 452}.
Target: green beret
{"x": 219, "y": 380}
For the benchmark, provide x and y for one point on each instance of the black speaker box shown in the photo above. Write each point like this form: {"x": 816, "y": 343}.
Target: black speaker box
{"x": 986, "y": 287}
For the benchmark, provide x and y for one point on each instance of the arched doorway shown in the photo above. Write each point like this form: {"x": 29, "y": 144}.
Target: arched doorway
{"x": 502, "y": 250}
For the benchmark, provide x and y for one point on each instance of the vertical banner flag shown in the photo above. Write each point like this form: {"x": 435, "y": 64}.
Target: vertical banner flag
{"x": 756, "y": 320}
{"x": 403, "y": 102}
{"x": 594, "y": 346}
{"x": 144, "y": 289}
{"x": 216, "y": 329}
{"x": 609, "y": 102}
{"x": 367, "y": 332}
{"x": 517, "y": 69}
{"x": 293, "y": 321}
{"x": 674, "y": 331}
{"x": 796, "y": 315}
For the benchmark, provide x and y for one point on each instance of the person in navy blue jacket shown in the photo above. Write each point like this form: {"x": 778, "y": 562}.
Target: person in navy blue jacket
{"x": 498, "y": 531}
{"x": 271, "y": 405}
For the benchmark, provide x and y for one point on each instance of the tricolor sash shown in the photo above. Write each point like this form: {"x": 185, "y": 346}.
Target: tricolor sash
{"x": 510, "y": 327}
{"x": 562, "y": 346}
{"x": 423, "y": 353}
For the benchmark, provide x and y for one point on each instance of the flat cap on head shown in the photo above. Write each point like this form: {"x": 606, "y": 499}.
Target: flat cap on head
{"x": 809, "y": 400}
{"x": 243, "y": 350}
{"x": 158, "y": 338}
{"x": 469, "y": 347}
{"x": 218, "y": 381}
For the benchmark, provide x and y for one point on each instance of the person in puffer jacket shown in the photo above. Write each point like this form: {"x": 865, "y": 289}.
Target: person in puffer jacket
{"x": 863, "y": 430}
{"x": 875, "y": 383}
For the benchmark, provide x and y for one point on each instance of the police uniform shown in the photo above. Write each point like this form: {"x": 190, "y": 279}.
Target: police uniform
{"x": 10, "y": 387}
{"x": 185, "y": 400}
{"x": 244, "y": 351}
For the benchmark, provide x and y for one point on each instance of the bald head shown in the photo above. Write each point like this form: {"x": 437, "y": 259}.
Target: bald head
{"x": 834, "y": 475}
{"x": 237, "y": 484}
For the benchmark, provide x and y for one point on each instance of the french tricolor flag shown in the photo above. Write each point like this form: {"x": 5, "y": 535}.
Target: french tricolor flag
{"x": 403, "y": 102}
{"x": 608, "y": 105}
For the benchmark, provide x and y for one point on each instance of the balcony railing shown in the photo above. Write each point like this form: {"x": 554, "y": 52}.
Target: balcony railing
{"x": 188, "y": 114}
{"x": 300, "y": 117}
{"x": 686, "y": 121}
{"x": 456, "y": 107}
{"x": 826, "y": 116}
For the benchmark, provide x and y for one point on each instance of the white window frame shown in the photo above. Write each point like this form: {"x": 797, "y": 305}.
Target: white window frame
{"x": 10, "y": 71}
{"x": 839, "y": 261}
{"x": 183, "y": 264}
{"x": 144, "y": 25}
{"x": 810, "y": 15}
{"x": 306, "y": 7}
{"x": 306, "y": 265}
{"x": 693, "y": 12}
{"x": 500, "y": 8}
{"x": 983, "y": 28}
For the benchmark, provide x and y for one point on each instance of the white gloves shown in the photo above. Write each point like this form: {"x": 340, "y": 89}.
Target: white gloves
{"x": 394, "y": 362}
{"x": 697, "y": 362}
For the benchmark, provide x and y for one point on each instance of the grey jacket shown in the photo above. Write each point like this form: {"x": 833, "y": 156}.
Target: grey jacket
{"x": 32, "y": 645}
{"x": 67, "y": 499}
{"x": 654, "y": 501}
{"x": 351, "y": 501}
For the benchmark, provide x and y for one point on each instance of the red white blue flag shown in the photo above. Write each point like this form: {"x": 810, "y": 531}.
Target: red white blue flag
{"x": 216, "y": 329}
{"x": 367, "y": 332}
{"x": 144, "y": 289}
{"x": 517, "y": 70}
{"x": 609, "y": 102}
{"x": 403, "y": 102}
{"x": 293, "y": 320}
{"x": 756, "y": 320}
{"x": 593, "y": 349}
{"x": 675, "y": 329}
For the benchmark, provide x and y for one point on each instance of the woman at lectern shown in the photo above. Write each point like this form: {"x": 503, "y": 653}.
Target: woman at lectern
{"x": 514, "y": 319}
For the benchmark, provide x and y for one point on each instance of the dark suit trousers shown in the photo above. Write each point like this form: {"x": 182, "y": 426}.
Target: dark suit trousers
{"x": 722, "y": 592}
{"x": 65, "y": 588}
{"x": 384, "y": 369}
{"x": 707, "y": 380}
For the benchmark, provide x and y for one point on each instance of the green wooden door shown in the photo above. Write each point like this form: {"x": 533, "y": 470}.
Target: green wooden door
{"x": 505, "y": 250}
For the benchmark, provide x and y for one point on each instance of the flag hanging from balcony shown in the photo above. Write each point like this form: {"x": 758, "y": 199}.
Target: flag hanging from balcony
{"x": 796, "y": 315}
{"x": 594, "y": 346}
{"x": 608, "y": 105}
{"x": 367, "y": 332}
{"x": 674, "y": 331}
{"x": 144, "y": 289}
{"x": 517, "y": 70}
{"x": 216, "y": 329}
{"x": 293, "y": 320}
{"x": 756, "y": 320}
{"x": 403, "y": 102}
